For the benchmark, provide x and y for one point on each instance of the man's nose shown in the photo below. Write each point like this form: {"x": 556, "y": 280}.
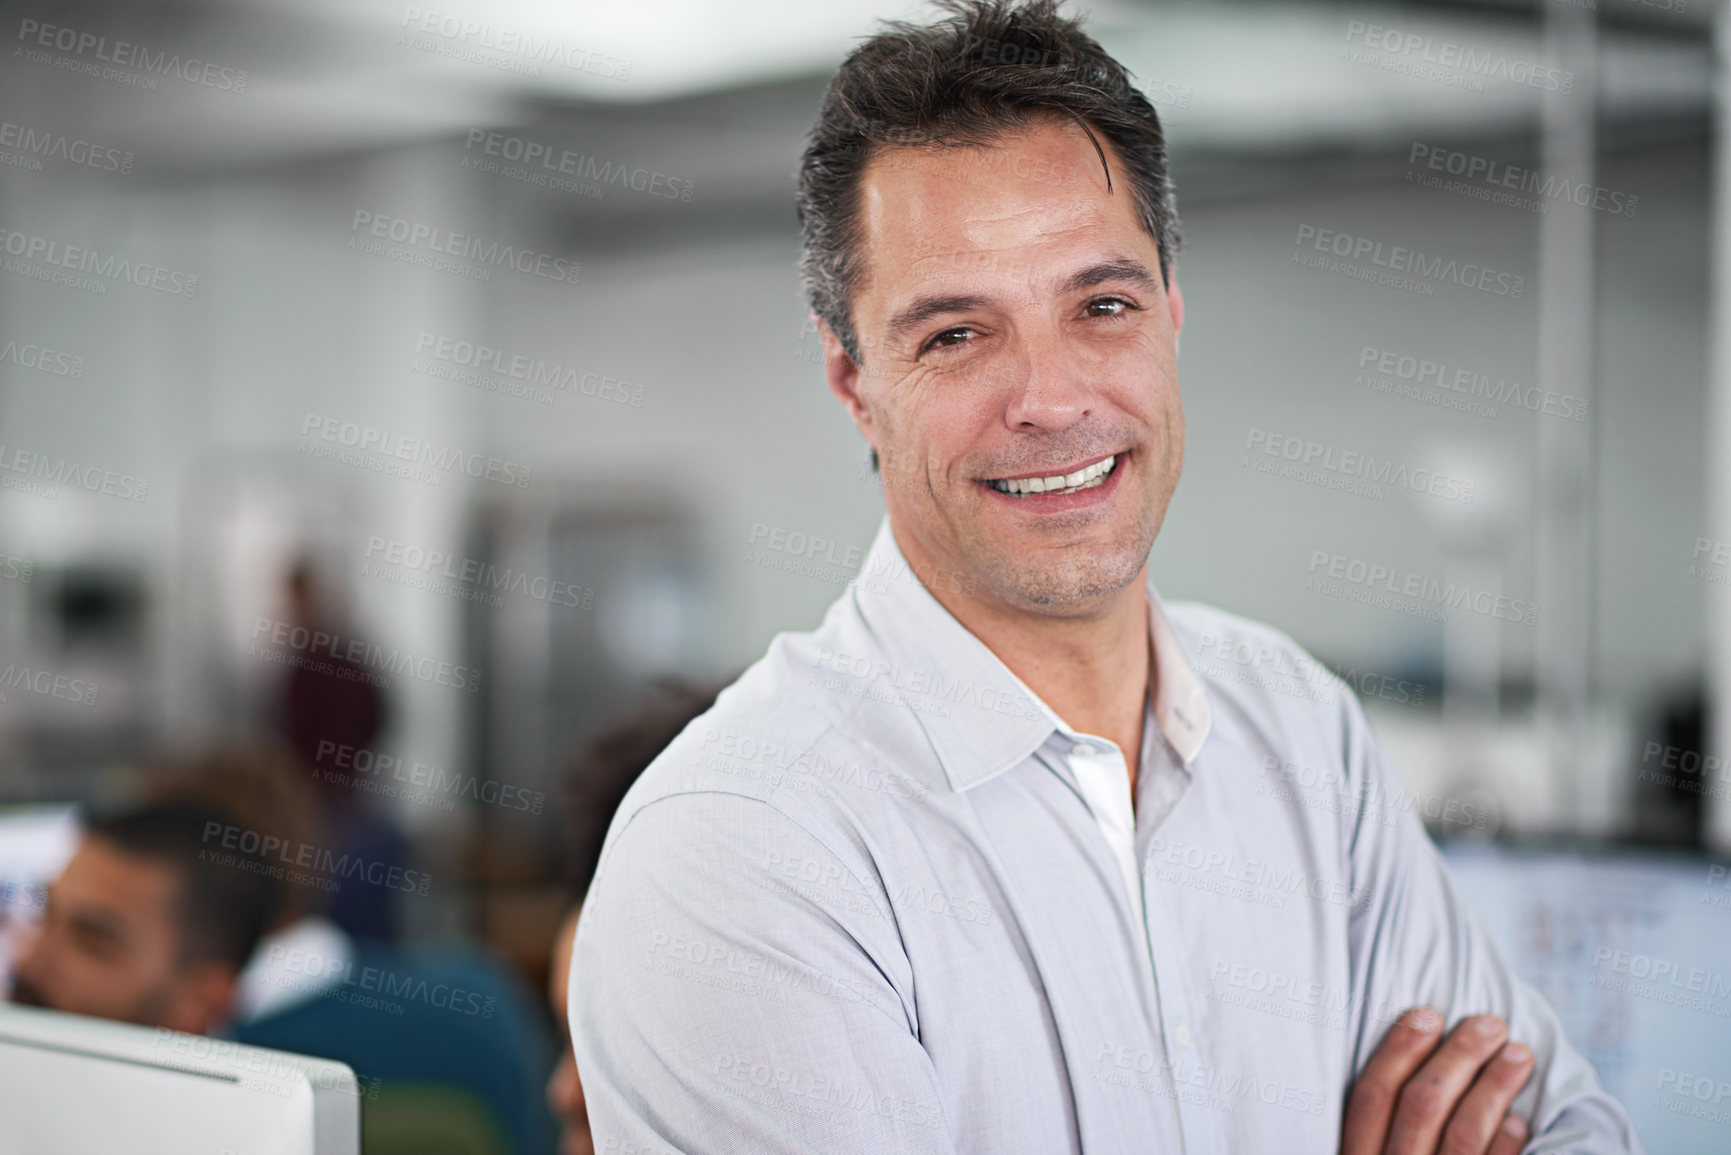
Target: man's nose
{"x": 1049, "y": 389}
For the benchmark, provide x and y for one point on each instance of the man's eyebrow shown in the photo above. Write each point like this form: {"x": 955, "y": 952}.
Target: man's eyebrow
{"x": 925, "y": 308}
{"x": 100, "y": 924}
{"x": 1124, "y": 270}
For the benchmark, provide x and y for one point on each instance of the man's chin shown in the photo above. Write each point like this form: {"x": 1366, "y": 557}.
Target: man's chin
{"x": 1075, "y": 586}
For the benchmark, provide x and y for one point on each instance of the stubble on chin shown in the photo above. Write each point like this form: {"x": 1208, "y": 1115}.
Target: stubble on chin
{"x": 1060, "y": 582}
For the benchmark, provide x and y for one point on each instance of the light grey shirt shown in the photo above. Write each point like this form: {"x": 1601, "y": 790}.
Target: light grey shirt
{"x": 867, "y": 903}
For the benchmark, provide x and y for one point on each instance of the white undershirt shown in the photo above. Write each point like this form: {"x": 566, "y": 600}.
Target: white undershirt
{"x": 1104, "y": 779}
{"x": 292, "y": 965}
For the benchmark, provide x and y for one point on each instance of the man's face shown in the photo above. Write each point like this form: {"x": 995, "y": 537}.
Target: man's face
{"x": 1014, "y": 326}
{"x": 109, "y": 945}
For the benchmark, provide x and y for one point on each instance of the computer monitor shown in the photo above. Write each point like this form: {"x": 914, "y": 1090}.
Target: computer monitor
{"x": 70, "y": 1084}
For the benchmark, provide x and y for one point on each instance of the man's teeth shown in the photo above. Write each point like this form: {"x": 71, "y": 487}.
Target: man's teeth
{"x": 1088, "y": 478}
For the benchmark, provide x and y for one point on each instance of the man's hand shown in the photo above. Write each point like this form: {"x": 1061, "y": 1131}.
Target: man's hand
{"x": 1417, "y": 1098}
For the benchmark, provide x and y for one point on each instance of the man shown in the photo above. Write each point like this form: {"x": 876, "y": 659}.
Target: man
{"x": 143, "y": 927}
{"x": 984, "y": 864}
{"x": 265, "y": 788}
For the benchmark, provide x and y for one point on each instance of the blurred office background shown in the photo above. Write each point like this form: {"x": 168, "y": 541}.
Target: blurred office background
{"x": 654, "y": 480}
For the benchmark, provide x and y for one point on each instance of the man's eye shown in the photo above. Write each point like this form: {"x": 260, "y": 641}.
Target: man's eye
{"x": 1109, "y": 307}
{"x": 960, "y": 335}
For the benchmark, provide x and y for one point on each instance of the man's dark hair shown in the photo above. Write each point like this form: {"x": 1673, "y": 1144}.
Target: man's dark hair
{"x": 265, "y": 788}
{"x": 992, "y": 67}
{"x": 224, "y": 901}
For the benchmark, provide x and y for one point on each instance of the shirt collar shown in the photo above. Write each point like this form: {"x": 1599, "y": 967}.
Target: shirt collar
{"x": 994, "y": 721}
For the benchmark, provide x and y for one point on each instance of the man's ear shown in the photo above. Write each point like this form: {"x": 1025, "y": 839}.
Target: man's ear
{"x": 1175, "y": 302}
{"x": 843, "y": 377}
{"x": 203, "y": 998}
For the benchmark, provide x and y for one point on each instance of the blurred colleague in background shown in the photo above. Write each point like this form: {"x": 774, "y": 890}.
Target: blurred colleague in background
{"x": 143, "y": 927}
{"x": 330, "y": 710}
{"x": 853, "y": 911}
{"x": 189, "y": 862}
{"x": 268, "y": 791}
{"x": 598, "y": 780}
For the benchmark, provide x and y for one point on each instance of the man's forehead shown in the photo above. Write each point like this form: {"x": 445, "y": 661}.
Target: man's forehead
{"x": 103, "y": 872}
{"x": 925, "y": 221}
{"x": 1044, "y": 167}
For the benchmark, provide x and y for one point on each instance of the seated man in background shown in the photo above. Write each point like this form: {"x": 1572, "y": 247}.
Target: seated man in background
{"x": 267, "y": 790}
{"x": 446, "y": 1040}
{"x": 137, "y": 928}
{"x": 602, "y": 772}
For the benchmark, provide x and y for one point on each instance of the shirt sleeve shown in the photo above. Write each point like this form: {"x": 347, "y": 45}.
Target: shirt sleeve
{"x": 736, "y": 985}
{"x": 1415, "y": 942}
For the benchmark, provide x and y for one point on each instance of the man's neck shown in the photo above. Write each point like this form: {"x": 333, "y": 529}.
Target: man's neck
{"x": 1093, "y": 670}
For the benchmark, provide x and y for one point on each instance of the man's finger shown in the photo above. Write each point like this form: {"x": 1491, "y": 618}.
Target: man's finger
{"x": 1511, "y": 1136}
{"x": 1371, "y": 1107}
{"x": 1478, "y": 1119}
{"x": 1433, "y": 1093}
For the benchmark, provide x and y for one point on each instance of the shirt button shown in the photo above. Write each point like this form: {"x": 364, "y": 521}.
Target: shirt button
{"x": 1183, "y": 1035}
{"x": 1083, "y": 750}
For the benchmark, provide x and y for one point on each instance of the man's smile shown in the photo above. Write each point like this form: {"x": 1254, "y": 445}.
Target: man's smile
{"x": 1059, "y": 482}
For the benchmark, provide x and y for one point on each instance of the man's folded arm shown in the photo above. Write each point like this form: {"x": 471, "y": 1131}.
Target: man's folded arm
{"x": 1416, "y": 943}
{"x": 738, "y": 985}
